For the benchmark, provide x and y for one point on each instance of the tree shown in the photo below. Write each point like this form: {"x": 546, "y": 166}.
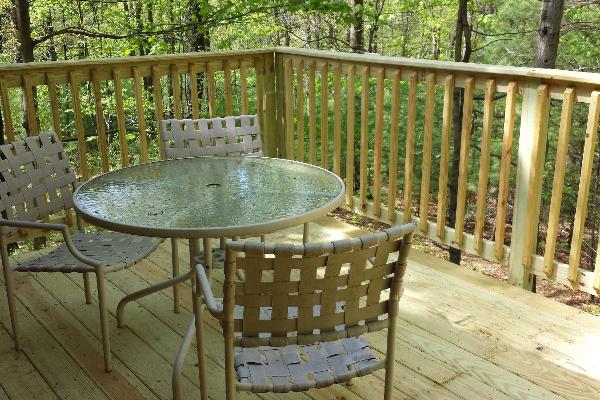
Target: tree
{"x": 549, "y": 33}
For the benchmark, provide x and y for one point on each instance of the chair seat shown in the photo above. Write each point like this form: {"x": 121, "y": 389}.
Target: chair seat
{"x": 302, "y": 367}
{"x": 115, "y": 250}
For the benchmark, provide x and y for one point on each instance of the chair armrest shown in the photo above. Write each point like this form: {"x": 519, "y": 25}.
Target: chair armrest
{"x": 203, "y": 284}
{"x": 64, "y": 229}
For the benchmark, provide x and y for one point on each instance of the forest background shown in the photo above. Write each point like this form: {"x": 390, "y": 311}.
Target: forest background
{"x": 550, "y": 33}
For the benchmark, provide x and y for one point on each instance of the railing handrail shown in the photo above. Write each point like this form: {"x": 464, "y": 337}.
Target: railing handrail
{"x": 90, "y": 63}
{"x": 549, "y": 75}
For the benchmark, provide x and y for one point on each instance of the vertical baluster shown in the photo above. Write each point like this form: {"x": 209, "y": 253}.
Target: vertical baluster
{"x": 465, "y": 140}
{"x": 121, "y": 118}
{"x": 393, "y": 164}
{"x": 337, "y": 119}
{"x": 100, "y": 121}
{"x": 410, "y": 146}
{"x": 312, "y": 113}
{"x": 427, "y": 149}
{"x": 244, "y": 88}
{"x": 259, "y": 72}
{"x": 560, "y": 166}
{"x": 324, "y": 116}
{"x": 193, "y": 71}
{"x": 160, "y": 113}
{"x": 444, "y": 155}
{"x": 505, "y": 164}
{"x": 30, "y": 106}
{"x": 6, "y": 115}
{"x": 364, "y": 138}
{"x": 212, "y": 90}
{"x": 228, "y": 87}
{"x": 584, "y": 187}
{"x": 139, "y": 105}
{"x": 377, "y": 150}
{"x": 81, "y": 146}
{"x": 484, "y": 164}
{"x": 536, "y": 174}
{"x": 174, "y": 71}
{"x": 289, "y": 109}
{"x": 53, "y": 97}
{"x": 300, "y": 107}
{"x": 350, "y": 120}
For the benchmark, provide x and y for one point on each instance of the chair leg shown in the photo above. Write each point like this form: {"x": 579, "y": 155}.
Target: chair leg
{"x": 104, "y": 320}
{"x": 222, "y": 241}
{"x": 12, "y": 307}
{"x": 306, "y": 233}
{"x": 390, "y": 355}
{"x": 86, "y": 286}
{"x": 198, "y": 312}
{"x": 175, "y": 262}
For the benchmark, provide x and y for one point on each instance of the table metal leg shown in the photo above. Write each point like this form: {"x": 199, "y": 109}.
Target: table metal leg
{"x": 208, "y": 261}
{"x": 145, "y": 292}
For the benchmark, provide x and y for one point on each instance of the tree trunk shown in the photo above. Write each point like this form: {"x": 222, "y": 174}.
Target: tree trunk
{"x": 549, "y": 33}
{"x": 463, "y": 31}
{"x": 23, "y": 25}
{"x": 357, "y": 27}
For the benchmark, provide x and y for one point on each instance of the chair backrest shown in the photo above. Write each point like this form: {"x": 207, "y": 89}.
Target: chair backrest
{"x": 302, "y": 294}
{"x": 228, "y": 136}
{"x": 36, "y": 178}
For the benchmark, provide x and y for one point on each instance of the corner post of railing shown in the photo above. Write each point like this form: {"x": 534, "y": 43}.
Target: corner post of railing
{"x": 528, "y": 192}
{"x": 270, "y": 89}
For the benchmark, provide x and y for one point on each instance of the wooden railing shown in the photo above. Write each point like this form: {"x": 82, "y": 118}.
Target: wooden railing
{"x": 369, "y": 119}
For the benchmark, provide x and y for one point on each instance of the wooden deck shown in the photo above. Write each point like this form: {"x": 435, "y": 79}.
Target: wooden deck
{"x": 462, "y": 335}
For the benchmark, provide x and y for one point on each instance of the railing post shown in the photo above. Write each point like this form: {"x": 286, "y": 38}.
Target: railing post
{"x": 270, "y": 89}
{"x": 530, "y": 169}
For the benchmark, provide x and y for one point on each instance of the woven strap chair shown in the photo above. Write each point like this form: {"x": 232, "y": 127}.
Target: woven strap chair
{"x": 228, "y": 136}
{"x": 297, "y": 318}
{"x": 36, "y": 181}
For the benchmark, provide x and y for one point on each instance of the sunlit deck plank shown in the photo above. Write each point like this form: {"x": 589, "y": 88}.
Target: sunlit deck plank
{"x": 461, "y": 336}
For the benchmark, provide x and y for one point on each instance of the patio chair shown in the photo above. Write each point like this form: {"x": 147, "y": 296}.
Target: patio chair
{"x": 297, "y": 318}
{"x": 228, "y": 136}
{"x": 36, "y": 181}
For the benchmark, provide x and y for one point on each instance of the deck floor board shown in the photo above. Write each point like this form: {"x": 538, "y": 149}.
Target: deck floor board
{"x": 461, "y": 336}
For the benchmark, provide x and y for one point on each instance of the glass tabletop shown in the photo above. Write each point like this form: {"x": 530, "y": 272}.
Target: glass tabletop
{"x": 209, "y": 197}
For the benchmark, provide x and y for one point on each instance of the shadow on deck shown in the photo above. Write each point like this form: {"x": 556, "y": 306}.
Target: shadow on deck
{"x": 461, "y": 335}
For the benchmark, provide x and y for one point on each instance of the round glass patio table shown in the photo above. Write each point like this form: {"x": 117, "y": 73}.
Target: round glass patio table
{"x": 206, "y": 197}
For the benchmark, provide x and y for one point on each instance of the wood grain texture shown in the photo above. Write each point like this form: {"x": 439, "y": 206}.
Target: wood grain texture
{"x": 584, "y": 186}
{"x": 484, "y": 164}
{"x": 409, "y": 158}
{"x": 364, "y": 138}
{"x": 6, "y": 113}
{"x": 378, "y": 142}
{"x": 324, "y": 72}
{"x": 121, "y": 118}
{"x": 465, "y": 141}
{"x": 444, "y": 155}
{"x": 505, "y": 165}
{"x": 393, "y": 163}
{"x": 312, "y": 113}
{"x": 350, "y": 125}
{"x": 562, "y": 147}
{"x": 337, "y": 119}
{"x": 300, "y": 109}
{"x": 141, "y": 119}
{"x": 100, "y": 122}
{"x": 79, "y": 129}
{"x": 427, "y": 149}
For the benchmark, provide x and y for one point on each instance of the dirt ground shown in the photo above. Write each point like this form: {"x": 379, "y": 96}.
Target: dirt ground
{"x": 553, "y": 290}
